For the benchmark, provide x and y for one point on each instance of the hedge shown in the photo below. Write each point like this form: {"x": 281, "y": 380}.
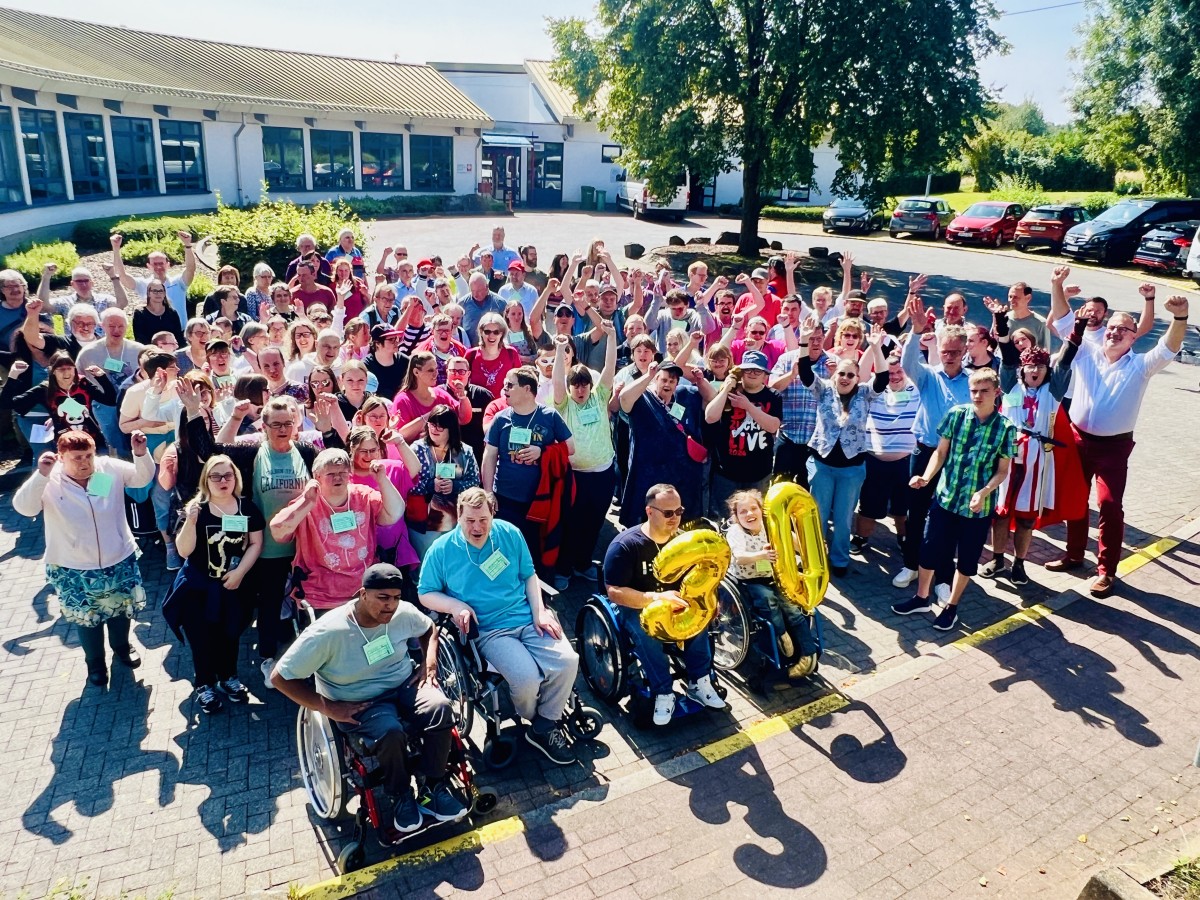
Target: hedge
{"x": 793, "y": 213}
{"x": 30, "y": 260}
{"x": 426, "y": 204}
{"x": 94, "y": 233}
{"x": 267, "y": 232}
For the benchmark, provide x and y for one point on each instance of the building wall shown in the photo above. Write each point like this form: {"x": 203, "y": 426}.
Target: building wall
{"x": 582, "y": 164}
{"x": 504, "y": 95}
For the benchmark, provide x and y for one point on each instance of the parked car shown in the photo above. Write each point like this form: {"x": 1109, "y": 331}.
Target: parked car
{"x": 846, "y": 214}
{"x": 1046, "y": 226}
{"x": 1192, "y": 269}
{"x": 921, "y": 215}
{"x": 987, "y": 222}
{"x": 1165, "y": 247}
{"x": 1113, "y": 236}
{"x": 634, "y": 193}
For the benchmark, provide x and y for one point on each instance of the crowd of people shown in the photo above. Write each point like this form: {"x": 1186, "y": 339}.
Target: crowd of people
{"x": 446, "y": 436}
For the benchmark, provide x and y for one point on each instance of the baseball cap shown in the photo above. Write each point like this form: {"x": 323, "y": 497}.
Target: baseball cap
{"x": 564, "y": 310}
{"x": 672, "y": 368}
{"x": 381, "y": 333}
{"x": 425, "y": 262}
{"x": 754, "y": 359}
{"x": 381, "y": 577}
{"x": 760, "y": 273}
{"x": 216, "y": 344}
{"x": 516, "y": 264}
{"x": 608, "y": 289}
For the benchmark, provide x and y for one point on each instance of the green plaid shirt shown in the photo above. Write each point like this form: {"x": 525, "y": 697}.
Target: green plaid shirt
{"x": 975, "y": 448}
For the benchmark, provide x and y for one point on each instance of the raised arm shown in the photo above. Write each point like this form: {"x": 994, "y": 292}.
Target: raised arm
{"x": 790, "y": 260}
{"x": 1146, "y": 319}
{"x": 558, "y": 372}
{"x": 635, "y": 389}
{"x": 43, "y": 289}
{"x": 119, "y": 265}
{"x": 393, "y": 503}
{"x": 189, "y": 257}
{"x": 29, "y": 327}
{"x": 1178, "y": 308}
{"x": 1059, "y": 306}
{"x": 287, "y": 520}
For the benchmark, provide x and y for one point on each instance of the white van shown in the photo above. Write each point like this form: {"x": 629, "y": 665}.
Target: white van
{"x": 634, "y": 194}
{"x": 1192, "y": 266}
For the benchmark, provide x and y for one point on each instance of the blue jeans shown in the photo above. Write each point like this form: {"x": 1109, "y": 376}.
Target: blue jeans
{"x": 697, "y": 654}
{"x": 784, "y": 617}
{"x": 836, "y": 491}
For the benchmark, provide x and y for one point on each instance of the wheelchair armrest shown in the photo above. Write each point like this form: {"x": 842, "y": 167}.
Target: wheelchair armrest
{"x": 548, "y": 590}
{"x": 308, "y": 613}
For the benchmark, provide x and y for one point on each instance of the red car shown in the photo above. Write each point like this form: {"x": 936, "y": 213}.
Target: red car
{"x": 987, "y": 222}
{"x": 1045, "y": 226}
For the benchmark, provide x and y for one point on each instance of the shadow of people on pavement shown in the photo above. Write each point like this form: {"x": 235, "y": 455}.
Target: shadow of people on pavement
{"x": 873, "y": 762}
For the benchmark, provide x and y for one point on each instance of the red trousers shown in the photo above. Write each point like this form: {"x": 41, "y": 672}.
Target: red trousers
{"x": 1106, "y": 461}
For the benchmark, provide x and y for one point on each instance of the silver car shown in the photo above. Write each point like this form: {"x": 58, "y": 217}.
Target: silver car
{"x": 921, "y": 215}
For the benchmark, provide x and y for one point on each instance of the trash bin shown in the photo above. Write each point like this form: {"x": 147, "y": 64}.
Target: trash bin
{"x": 587, "y": 197}
{"x": 601, "y": 199}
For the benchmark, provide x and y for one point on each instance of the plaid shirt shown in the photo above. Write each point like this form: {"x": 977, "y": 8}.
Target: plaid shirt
{"x": 799, "y": 419}
{"x": 975, "y": 449}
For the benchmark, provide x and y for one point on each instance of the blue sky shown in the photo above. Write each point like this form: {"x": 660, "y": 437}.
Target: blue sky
{"x": 1037, "y": 66}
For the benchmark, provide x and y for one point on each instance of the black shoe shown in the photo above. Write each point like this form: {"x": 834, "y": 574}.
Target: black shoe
{"x": 1017, "y": 574}
{"x": 553, "y": 744}
{"x": 839, "y": 571}
{"x": 128, "y": 658}
{"x": 914, "y": 605}
{"x": 98, "y": 676}
{"x": 209, "y": 701}
{"x": 946, "y": 619}
{"x": 857, "y": 543}
{"x": 992, "y": 567}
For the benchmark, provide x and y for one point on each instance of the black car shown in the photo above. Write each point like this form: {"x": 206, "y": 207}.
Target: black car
{"x": 1165, "y": 248}
{"x": 1113, "y": 236}
{"x": 846, "y": 214}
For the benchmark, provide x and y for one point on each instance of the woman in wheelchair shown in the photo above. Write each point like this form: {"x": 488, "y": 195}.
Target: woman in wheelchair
{"x": 631, "y": 585}
{"x": 482, "y": 575}
{"x": 367, "y": 683}
{"x": 752, "y": 561}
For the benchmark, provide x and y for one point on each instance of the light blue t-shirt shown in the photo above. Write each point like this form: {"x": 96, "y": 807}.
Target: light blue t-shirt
{"x": 526, "y": 293}
{"x": 454, "y": 567}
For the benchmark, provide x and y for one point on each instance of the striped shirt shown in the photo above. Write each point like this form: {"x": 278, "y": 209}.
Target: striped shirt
{"x": 975, "y": 449}
{"x": 890, "y": 421}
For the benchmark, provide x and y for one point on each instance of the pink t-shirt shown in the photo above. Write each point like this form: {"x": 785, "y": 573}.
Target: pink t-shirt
{"x": 408, "y": 407}
{"x": 396, "y": 534}
{"x": 773, "y": 350}
{"x": 336, "y": 560}
{"x": 489, "y": 373}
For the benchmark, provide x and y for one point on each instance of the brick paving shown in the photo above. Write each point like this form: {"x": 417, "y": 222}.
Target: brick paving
{"x": 135, "y": 790}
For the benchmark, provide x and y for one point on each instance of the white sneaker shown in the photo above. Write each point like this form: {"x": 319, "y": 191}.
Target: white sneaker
{"x": 702, "y": 691}
{"x": 664, "y": 708}
{"x": 904, "y": 578}
{"x": 266, "y": 667}
{"x": 943, "y": 592}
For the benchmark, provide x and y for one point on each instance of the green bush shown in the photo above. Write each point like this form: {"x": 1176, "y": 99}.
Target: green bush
{"x": 902, "y": 185}
{"x": 200, "y": 288}
{"x": 424, "y": 204}
{"x": 793, "y": 213}
{"x": 30, "y": 260}
{"x": 1017, "y": 189}
{"x": 135, "y": 252}
{"x": 267, "y": 232}
{"x": 1099, "y": 202}
{"x": 93, "y": 233}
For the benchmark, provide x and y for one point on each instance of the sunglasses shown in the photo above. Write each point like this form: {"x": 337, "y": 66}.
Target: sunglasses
{"x": 492, "y": 332}
{"x": 670, "y": 513}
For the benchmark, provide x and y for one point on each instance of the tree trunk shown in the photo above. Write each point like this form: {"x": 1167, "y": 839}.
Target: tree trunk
{"x": 751, "y": 204}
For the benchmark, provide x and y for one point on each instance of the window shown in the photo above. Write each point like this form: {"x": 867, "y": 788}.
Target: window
{"x": 183, "y": 156}
{"x": 283, "y": 158}
{"x": 332, "y": 160}
{"x": 133, "y": 152}
{"x": 609, "y": 153}
{"x": 11, "y": 193}
{"x": 43, "y": 156}
{"x": 382, "y": 162}
{"x": 547, "y": 165}
{"x": 432, "y": 163}
{"x": 87, "y": 154}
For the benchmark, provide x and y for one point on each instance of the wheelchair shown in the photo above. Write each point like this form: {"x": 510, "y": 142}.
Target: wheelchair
{"x": 472, "y": 685}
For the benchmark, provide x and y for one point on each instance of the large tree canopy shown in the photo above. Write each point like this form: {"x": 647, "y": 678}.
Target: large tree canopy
{"x": 694, "y": 84}
{"x": 1136, "y": 94}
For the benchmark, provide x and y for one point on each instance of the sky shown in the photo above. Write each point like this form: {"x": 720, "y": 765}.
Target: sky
{"x": 1036, "y": 67}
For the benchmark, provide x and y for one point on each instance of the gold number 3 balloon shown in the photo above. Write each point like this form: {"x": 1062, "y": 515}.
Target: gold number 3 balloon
{"x": 789, "y": 506}
{"x": 704, "y": 556}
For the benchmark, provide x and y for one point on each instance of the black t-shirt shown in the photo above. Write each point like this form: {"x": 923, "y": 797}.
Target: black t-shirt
{"x": 744, "y": 451}
{"x": 389, "y": 376}
{"x": 629, "y": 562}
{"x": 146, "y": 325}
{"x": 218, "y": 551}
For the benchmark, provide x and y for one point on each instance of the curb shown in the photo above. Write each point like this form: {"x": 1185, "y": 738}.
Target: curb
{"x": 1128, "y": 881}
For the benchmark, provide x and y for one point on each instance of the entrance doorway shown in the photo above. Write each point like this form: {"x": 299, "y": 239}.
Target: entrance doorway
{"x": 545, "y": 175}
{"x": 504, "y": 165}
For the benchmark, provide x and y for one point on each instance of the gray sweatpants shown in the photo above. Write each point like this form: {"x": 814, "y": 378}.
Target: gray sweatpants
{"x": 540, "y": 670}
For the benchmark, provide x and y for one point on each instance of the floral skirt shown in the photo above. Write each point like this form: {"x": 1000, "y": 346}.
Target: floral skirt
{"x": 89, "y": 597}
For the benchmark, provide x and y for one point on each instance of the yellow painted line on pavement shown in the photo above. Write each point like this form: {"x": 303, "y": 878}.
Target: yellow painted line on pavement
{"x": 768, "y": 728}
{"x": 1146, "y": 554}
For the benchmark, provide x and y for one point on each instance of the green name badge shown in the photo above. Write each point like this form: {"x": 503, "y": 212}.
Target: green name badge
{"x": 677, "y": 411}
{"x": 114, "y": 365}
{"x": 519, "y": 437}
{"x": 71, "y": 408}
{"x": 342, "y": 522}
{"x": 235, "y": 524}
{"x": 100, "y": 484}
{"x": 378, "y": 650}
{"x": 494, "y": 565}
{"x": 589, "y": 415}
{"x": 445, "y": 470}
{"x": 762, "y": 567}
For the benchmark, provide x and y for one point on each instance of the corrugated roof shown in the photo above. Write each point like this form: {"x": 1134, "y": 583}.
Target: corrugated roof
{"x": 139, "y": 62}
{"x": 560, "y": 100}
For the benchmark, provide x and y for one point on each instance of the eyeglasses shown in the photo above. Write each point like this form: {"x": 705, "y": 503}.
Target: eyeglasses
{"x": 669, "y": 513}
{"x": 277, "y": 426}
{"x": 81, "y": 281}
{"x": 335, "y": 473}
{"x": 155, "y": 291}
{"x": 219, "y": 477}
{"x": 1119, "y": 329}
{"x": 492, "y": 332}
{"x": 757, "y": 333}
{"x": 847, "y": 375}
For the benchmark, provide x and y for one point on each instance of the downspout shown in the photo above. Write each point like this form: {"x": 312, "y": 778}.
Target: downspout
{"x": 237, "y": 160}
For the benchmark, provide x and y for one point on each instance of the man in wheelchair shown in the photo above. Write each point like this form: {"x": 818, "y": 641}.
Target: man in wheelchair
{"x": 482, "y": 575}
{"x": 367, "y": 683}
{"x": 631, "y": 585}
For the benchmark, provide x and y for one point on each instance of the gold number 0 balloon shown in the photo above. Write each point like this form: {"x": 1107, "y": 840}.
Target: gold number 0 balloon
{"x": 788, "y": 506}
{"x": 704, "y": 556}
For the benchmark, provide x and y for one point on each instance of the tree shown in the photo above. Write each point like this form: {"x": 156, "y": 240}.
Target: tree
{"x": 1136, "y": 93}
{"x": 1025, "y": 116}
{"x": 696, "y": 83}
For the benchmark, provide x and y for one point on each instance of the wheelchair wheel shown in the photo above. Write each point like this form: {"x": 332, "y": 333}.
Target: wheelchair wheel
{"x": 499, "y": 752}
{"x": 321, "y": 764}
{"x": 586, "y": 723}
{"x": 455, "y": 681}
{"x": 352, "y": 858}
{"x": 730, "y": 629}
{"x": 485, "y": 802}
{"x": 599, "y": 648}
